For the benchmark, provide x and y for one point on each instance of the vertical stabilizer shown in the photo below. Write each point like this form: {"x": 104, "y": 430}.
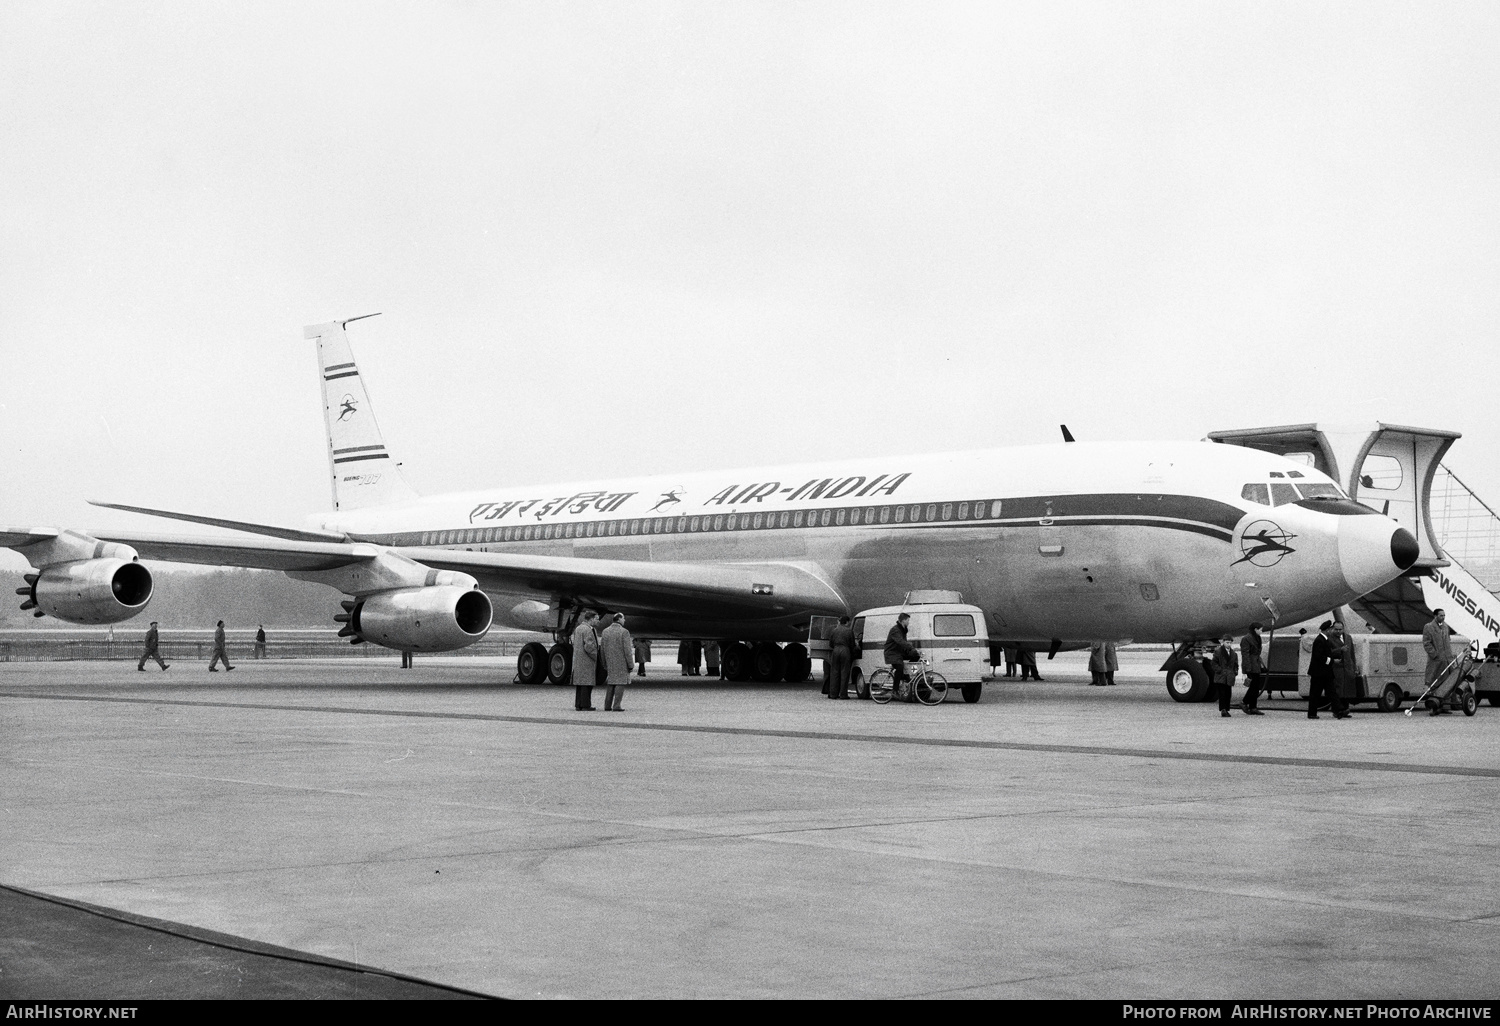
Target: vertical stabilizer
{"x": 362, "y": 471}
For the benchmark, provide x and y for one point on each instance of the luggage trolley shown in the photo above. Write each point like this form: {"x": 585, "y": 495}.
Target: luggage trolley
{"x": 1454, "y": 683}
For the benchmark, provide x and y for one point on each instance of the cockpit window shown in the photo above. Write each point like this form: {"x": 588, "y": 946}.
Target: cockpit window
{"x": 1314, "y": 490}
{"x": 1294, "y": 473}
{"x": 1277, "y": 473}
{"x": 1256, "y": 493}
{"x": 1281, "y": 494}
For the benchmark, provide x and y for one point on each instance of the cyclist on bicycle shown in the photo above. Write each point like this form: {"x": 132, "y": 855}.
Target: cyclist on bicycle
{"x": 897, "y": 651}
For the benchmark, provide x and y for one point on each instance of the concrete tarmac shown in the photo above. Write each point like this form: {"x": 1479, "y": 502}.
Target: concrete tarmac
{"x": 735, "y": 840}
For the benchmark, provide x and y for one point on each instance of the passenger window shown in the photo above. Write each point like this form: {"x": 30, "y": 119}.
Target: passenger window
{"x": 952, "y": 625}
{"x": 1281, "y": 494}
{"x": 797, "y": 519}
{"x": 1380, "y": 472}
{"x": 838, "y": 517}
{"x": 947, "y": 511}
{"x": 1256, "y": 493}
{"x": 995, "y": 512}
{"x": 825, "y": 516}
{"x": 885, "y": 514}
{"x": 932, "y": 512}
{"x": 900, "y": 514}
{"x": 757, "y": 522}
{"x": 963, "y": 511}
{"x": 1398, "y": 656}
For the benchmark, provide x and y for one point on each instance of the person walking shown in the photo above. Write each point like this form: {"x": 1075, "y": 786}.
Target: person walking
{"x": 260, "y": 641}
{"x": 897, "y": 651}
{"x": 1226, "y": 666}
{"x": 1111, "y": 663}
{"x": 152, "y": 640}
{"x": 1254, "y": 668}
{"x": 585, "y": 656}
{"x": 841, "y": 659}
{"x": 711, "y": 656}
{"x": 1320, "y": 674}
{"x": 219, "y": 652}
{"x": 1096, "y": 664}
{"x": 615, "y": 647}
{"x": 642, "y": 656}
{"x": 1439, "y": 649}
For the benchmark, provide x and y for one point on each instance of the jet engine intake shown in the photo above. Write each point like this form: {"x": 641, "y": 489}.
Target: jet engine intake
{"x": 437, "y": 619}
{"x": 89, "y": 590}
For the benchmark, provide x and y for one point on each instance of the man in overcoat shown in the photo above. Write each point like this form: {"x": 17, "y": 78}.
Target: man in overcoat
{"x": 615, "y": 649}
{"x": 1320, "y": 673}
{"x": 1097, "y": 664}
{"x": 1255, "y": 670}
{"x": 219, "y": 650}
{"x": 151, "y": 652}
{"x": 585, "y": 658}
{"x": 1226, "y": 667}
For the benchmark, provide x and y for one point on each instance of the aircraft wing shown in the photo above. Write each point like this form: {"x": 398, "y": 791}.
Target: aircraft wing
{"x": 696, "y": 591}
{"x": 699, "y": 591}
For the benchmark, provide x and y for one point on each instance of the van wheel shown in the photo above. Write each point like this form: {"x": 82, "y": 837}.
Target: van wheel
{"x": 1391, "y": 697}
{"x": 861, "y": 686}
{"x": 972, "y": 692}
{"x": 531, "y": 664}
{"x": 736, "y": 662}
{"x": 798, "y": 664}
{"x": 1187, "y": 681}
{"x": 560, "y": 664}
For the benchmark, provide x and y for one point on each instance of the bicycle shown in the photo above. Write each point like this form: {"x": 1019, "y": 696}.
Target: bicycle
{"x": 928, "y": 685}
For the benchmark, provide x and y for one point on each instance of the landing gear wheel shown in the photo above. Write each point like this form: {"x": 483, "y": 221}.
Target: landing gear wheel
{"x": 857, "y": 680}
{"x": 1391, "y": 697}
{"x": 1187, "y": 681}
{"x": 736, "y": 662}
{"x": 531, "y": 664}
{"x": 798, "y": 664}
{"x": 560, "y": 664}
{"x": 931, "y": 689}
{"x": 767, "y": 662}
{"x": 879, "y": 686}
{"x": 1471, "y": 704}
{"x": 972, "y": 692}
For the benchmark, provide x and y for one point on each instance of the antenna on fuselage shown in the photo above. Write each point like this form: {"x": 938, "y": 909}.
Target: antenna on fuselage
{"x": 1067, "y": 435}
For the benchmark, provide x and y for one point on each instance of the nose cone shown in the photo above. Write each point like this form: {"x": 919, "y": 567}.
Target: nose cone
{"x": 1374, "y": 550}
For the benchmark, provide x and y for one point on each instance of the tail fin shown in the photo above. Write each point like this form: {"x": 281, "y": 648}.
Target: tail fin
{"x": 362, "y": 471}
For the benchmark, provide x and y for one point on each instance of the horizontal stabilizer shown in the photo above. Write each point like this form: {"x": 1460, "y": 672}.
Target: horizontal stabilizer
{"x": 270, "y": 531}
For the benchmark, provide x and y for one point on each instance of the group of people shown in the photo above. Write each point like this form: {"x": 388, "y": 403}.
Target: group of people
{"x": 601, "y": 657}
{"x": 692, "y": 654}
{"x": 844, "y": 649}
{"x": 1328, "y": 663}
{"x": 1103, "y": 662}
{"x": 220, "y": 652}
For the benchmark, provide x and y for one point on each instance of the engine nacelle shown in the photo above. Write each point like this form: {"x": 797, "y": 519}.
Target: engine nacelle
{"x": 90, "y": 590}
{"x": 437, "y": 619}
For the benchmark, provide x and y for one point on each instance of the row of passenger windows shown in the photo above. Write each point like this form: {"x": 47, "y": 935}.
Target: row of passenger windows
{"x": 915, "y": 513}
{"x": 1279, "y": 493}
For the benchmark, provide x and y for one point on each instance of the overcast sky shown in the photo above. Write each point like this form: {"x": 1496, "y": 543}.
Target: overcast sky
{"x": 616, "y": 238}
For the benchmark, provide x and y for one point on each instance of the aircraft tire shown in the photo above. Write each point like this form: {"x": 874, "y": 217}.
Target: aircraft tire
{"x": 531, "y": 664}
{"x": 798, "y": 664}
{"x": 1187, "y": 681}
{"x": 972, "y": 692}
{"x": 560, "y": 664}
{"x": 767, "y": 662}
{"x": 735, "y": 661}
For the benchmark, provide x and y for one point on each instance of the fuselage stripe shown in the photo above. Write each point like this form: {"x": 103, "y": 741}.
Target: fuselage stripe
{"x": 358, "y": 448}
{"x": 337, "y": 367}
{"x": 371, "y": 456}
{"x": 346, "y": 374}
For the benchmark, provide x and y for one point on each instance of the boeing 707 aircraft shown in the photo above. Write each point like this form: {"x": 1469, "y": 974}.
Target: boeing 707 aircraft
{"x": 1058, "y": 544}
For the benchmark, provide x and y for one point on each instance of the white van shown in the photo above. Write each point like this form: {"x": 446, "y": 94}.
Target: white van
{"x": 952, "y": 637}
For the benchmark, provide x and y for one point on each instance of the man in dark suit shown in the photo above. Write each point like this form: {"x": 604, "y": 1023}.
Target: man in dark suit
{"x": 841, "y": 659}
{"x": 1254, "y": 668}
{"x": 1226, "y": 667}
{"x": 1327, "y": 650}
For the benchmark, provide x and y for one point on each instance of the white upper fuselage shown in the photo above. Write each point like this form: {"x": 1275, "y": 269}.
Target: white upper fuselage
{"x": 1144, "y": 540}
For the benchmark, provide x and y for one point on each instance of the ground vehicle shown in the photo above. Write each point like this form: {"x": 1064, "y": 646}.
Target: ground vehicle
{"x": 1487, "y": 675}
{"x": 924, "y": 684}
{"x": 952, "y": 636}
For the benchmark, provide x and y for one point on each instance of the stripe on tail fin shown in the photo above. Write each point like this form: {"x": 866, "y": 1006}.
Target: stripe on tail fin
{"x": 363, "y": 472}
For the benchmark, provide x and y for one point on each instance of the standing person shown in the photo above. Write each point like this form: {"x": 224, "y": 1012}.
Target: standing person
{"x": 1320, "y": 674}
{"x": 689, "y": 657}
{"x": 1111, "y": 663}
{"x": 1028, "y": 663}
{"x": 585, "y": 655}
{"x": 616, "y": 647}
{"x": 1010, "y": 660}
{"x": 841, "y": 638}
{"x": 642, "y": 656}
{"x": 711, "y": 656}
{"x": 260, "y": 641}
{"x": 897, "y": 651}
{"x": 1096, "y": 664}
{"x": 219, "y": 652}
{"x": 152, "y": 639}
{"x": 1255, "y": 670}
{"x": 406, "y": 659}
{"x": 1439, "y": 652}
{"x": 1226, "y": 667}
